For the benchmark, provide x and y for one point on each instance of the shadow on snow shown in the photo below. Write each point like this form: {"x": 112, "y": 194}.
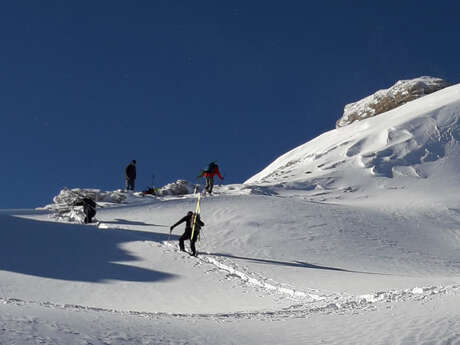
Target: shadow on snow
{"x": 72, "y": 252}
{"x": 294, "y": 264}
{"x": 119, "y": 221}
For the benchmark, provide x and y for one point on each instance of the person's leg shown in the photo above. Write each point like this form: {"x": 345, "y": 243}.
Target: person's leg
{"x": 206, "y": 187}
{"x": 131, "y": 184}
{"x": 211, "y": 184}
{"x": 185, "y": 236}
{"x": 193, "y": 240}
{"x": 91, "y": 214}
{"x": 181, "y": 243}
{"x": 192, "y": 247}
{"x": 86, "y": 212}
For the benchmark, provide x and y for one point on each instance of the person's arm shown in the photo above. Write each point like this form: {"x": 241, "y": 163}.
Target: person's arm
{"x": 218, "y": 174}
{"x": 91, "y": 204}
{"x": 199, "y": 221}
{"x": 179, "y": 222}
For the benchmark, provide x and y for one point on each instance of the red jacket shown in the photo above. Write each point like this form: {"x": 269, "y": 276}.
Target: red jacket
{"x": 214, "y": 171}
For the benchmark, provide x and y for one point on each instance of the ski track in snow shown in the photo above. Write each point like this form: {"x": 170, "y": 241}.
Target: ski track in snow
{"x": 304, "y": 303}
{"x": 340, "y": 305}
{"x": 312, "y": 301}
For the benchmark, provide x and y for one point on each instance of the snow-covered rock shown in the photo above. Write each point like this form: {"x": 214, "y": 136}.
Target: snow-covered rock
{"x": 64, "y": 209}
{"x": 180, "y": 187}
{"x": 384, "y": 100}
{"x": 69, "y": 196}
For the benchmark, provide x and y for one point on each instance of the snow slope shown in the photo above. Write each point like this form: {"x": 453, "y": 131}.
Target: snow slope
{"x": 352, "y": 238}
{"x": 413, "y": 145}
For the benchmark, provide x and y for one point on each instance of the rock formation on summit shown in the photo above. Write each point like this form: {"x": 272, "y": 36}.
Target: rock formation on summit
{"x": 384, "y": 100}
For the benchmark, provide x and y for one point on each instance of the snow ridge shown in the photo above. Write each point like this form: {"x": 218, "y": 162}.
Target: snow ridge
{"x": 402, "y": 142}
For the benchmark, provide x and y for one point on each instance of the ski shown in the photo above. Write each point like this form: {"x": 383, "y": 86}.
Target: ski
{"x": 195, "y": 215}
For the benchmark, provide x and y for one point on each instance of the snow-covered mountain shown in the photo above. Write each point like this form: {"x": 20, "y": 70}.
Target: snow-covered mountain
{"x": 351, "y": 238}
{"x": 414, "y": 147}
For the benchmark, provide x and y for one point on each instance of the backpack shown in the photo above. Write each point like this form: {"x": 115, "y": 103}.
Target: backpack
{"x": 90, "y": 202}
{"x": 211, "y": 167}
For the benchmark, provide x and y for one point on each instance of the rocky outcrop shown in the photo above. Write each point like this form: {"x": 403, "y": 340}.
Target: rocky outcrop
{"x": 64, "y": 204}
{"x": 70, "y": 196}
{"x": 384, "y": 100}
{"x": 180, "y": 187}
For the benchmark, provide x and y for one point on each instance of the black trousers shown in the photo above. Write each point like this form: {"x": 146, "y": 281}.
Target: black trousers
{"x": 187, "y": 235}
{"x": 209, "y": 184}
{"x": 130, "y": 183}
{"x": 89, "y": 213}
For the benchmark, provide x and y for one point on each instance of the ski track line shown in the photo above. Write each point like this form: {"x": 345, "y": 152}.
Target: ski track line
{"x": 252, "y": 278}
{"x": 314, "y": 298}
{"x": 358, "y": 304}
{"x": 307, "y": 303}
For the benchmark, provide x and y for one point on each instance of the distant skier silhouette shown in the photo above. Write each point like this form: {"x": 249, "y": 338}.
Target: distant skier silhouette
{"x": 208, "y": 174}
{"x": 130, "y": 175}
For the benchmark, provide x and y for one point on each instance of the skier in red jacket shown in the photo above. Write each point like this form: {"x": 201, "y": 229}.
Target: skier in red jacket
{"x": 208, "y": 174}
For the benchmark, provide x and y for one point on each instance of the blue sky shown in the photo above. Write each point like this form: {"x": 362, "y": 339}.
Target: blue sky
{"x": 86, "y": 87}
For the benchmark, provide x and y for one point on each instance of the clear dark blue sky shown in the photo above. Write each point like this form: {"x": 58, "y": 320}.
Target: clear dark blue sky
{"x": 87, "y": 86}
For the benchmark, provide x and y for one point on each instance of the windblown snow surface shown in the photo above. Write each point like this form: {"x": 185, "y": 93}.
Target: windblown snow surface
{"x": 351, "y": 238}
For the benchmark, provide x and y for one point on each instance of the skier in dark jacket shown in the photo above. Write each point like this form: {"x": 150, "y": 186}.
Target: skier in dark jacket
{"x": 208, "y": 174}
{"x": 89, "y": 208}
{"x": 187, "y": 235}
{"x": 130, "y": 175}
